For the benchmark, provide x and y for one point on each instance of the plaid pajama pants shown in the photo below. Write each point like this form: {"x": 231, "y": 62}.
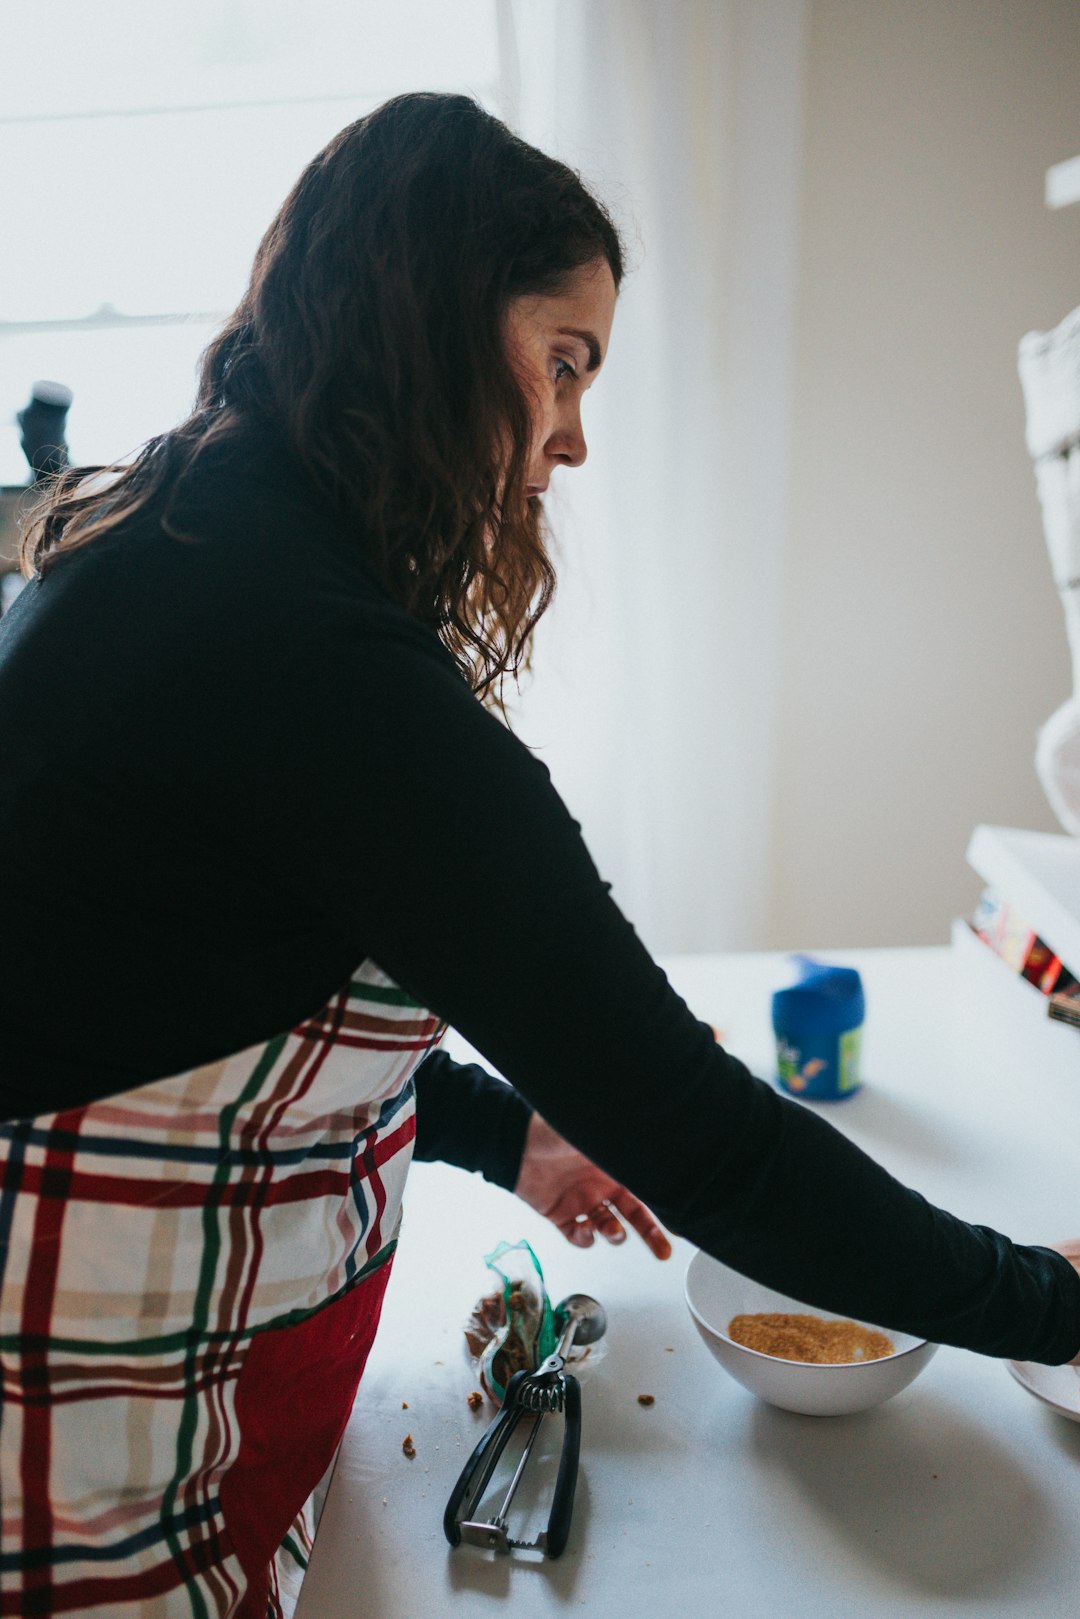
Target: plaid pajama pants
{"x": 191, "y": 1275}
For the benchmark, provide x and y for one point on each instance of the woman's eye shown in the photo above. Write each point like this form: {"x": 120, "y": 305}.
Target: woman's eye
{"x": 563, "y": 368}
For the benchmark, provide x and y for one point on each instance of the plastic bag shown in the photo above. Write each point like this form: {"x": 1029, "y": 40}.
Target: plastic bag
{"x": 512, "y": 1328}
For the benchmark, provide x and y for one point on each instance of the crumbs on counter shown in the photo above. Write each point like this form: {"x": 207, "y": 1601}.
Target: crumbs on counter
{"x": 646, "y": 1399}
{"x": 407, "y": 1447}
{"x": 474, "y": 1400}
{"x": 404, "y": 1405}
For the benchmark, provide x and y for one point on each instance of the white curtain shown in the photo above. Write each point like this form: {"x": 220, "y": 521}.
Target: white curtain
{"x": 654, "y": 692}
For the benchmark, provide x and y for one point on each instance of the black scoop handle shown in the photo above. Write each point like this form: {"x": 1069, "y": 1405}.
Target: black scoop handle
{"x": 562, "y": 1502}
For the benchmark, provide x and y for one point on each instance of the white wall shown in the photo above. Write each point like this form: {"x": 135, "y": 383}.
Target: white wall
{"x": 923, "y": 640}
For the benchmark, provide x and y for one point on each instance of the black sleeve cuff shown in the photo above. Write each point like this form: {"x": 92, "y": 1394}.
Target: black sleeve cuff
{"x": 465, "y": 1116}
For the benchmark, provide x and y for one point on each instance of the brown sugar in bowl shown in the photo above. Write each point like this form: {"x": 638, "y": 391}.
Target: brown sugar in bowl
{"x": 715, "y": 1294}
{"x": 809, "y": 1338}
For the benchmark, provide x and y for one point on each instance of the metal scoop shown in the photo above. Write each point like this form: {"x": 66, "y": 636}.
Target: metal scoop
{"x": 549, "y": 1388}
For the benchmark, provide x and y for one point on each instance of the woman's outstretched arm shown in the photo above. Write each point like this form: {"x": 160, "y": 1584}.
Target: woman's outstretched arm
{"x": 428, "y": 829}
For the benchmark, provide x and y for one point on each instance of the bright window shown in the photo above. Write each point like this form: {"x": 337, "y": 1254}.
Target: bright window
{"x": 145, "y": 148}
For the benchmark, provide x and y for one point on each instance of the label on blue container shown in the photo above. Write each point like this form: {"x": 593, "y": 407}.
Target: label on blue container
{"x": 822, "y": 1067}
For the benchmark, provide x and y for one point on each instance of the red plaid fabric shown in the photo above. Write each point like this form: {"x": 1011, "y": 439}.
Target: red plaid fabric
{"x": 190, "y": 1279}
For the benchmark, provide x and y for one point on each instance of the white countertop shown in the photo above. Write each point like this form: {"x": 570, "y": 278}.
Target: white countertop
{"x": 958, "y": 1496}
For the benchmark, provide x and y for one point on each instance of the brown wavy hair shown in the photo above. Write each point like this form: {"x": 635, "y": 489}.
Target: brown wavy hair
{"x": 370, "y": 339}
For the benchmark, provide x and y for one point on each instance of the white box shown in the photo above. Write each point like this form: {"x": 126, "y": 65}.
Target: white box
{"x": 1005, "y": 1017}
{"x": 1039, "y": 874}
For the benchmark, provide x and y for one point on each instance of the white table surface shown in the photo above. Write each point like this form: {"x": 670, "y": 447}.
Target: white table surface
{"x": 960, "y": 1496}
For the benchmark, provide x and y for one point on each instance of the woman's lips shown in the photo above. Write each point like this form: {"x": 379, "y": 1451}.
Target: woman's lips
{"x": 536, "y": 488}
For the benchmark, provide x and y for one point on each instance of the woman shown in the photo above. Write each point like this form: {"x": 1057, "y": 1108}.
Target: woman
{"x": 244, "y": 753}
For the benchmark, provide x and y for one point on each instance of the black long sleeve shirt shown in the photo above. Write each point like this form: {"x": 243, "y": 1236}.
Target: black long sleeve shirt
{"x": 465, "y": 1116}
{"x": 233, "y": 767}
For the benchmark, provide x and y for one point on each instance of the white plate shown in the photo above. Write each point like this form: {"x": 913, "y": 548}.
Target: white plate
{"x": 1056, "y": 1386}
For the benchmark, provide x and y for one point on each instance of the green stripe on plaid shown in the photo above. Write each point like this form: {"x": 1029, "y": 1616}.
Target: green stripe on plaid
{"x": 292, "y": 1546}
{"x": 383, "y": 995}
{"x": 173, "y": 1343}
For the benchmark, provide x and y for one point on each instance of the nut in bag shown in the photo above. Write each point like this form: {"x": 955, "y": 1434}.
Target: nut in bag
{"x": 512, "y": 1328}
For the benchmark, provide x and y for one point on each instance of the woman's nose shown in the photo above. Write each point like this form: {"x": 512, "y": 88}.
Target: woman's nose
{"x": 567, "y": 443}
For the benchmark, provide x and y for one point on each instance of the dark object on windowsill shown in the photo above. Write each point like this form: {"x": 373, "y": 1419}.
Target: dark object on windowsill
{"x": 42, "y": 424}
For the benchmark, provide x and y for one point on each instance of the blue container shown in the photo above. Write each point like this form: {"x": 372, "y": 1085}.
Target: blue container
{"x": 818, "y": 1026}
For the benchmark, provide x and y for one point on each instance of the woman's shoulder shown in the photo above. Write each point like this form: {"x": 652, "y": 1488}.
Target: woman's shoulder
{"x": 240, "y": 531}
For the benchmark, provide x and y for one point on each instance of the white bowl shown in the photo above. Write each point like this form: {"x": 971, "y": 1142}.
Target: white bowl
{"x": 715, "y": 1293}
{"x": 1056, "y": 1386}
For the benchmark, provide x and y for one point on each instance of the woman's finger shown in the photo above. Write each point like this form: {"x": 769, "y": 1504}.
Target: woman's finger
{"x": 607, "y": 1222}
{"x": 637, "y": 1215}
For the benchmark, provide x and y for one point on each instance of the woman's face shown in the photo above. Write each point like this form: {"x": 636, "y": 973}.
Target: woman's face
{"x": 558, "y": 344}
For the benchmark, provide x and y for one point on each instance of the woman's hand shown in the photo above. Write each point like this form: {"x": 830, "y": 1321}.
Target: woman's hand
{"x": 1071, "y": 1249}
{"x": 569, "y": 1190}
